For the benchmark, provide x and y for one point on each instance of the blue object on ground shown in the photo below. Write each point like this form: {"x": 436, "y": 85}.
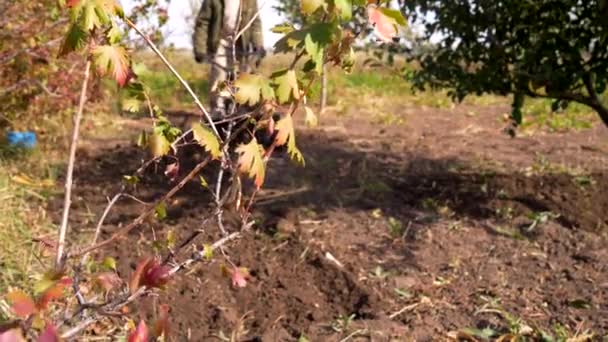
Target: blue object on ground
{"x": 23, "y": 139}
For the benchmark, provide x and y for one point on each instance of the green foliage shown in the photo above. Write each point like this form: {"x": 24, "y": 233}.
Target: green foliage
{"x": 546, "y": 48}
{"x": 286, "y": 83}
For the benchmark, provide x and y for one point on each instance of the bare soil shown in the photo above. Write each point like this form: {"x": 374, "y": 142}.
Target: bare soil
{"x": 430, "y": 221}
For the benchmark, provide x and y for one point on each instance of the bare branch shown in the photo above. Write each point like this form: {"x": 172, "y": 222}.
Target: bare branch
{"x": 140, "y": 219}
{"x": 67, "y": 202}
{"x": 201, "y": 254}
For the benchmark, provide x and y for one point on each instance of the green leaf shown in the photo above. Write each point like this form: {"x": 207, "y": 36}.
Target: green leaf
{"x": 286, "y": 82}
{"x": 160, "y": 212}
{"x": 75, "y": 39}
{"x": 133, "y": 96}
{"x": 159, "y": 145}
{"x": 250, "y": 88}
{"x": 140, "y": 69}
{"x": 132, "y": 180}
{"x": 251, "y": 161}
{"x": 580, "y": 304}
{"x": 344, "y": 8}
{"x": 282, "y": 28}
{"x": 131, "y": 105}
{"x": 394, "y": 14}
{"x": 114, "y": 34}
{"x": 112, "y": 59}
{"x": 310, "y": 6}
{"x": 205, "y": 137}
{"x": 485, "y": 333}
{"x": 318, "y": 37}
{"x": 290, "y": 41}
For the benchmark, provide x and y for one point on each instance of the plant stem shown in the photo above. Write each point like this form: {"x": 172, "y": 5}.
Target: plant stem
{"x": 323, "y": 89}
{"x": 67, "y": 202}
{"x": 177, "y": 75}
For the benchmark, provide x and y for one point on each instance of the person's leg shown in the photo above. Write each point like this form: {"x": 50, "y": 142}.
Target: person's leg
{"x": 221, "y": 68}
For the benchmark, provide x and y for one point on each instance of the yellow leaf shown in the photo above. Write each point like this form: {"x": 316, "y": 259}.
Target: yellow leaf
{"x": 159, "y": 145}
{"x": 251, "y": 161}
{"x": 310, "y": 6}
{"x": 310, "y": 119}
{"x": 207, "y": 140}
{"x": 286, "y": 134}
{"x": 250, "y": 87}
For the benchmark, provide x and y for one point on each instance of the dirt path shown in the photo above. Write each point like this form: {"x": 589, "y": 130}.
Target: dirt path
{"x": 432, "y": 222}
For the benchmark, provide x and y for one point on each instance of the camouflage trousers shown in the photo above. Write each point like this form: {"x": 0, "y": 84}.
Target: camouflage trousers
{"x": 222, "y": 70}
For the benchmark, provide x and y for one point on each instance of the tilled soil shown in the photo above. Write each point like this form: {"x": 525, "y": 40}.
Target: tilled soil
{"x": 414, "y": 231}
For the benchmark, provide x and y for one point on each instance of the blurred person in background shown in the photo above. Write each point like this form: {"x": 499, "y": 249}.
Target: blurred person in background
{"x": 216, "y": 22}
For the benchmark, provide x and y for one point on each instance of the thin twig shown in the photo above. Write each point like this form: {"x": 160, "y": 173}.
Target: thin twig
{"x": 250, "y": 22}
{"x": 353, "y": 334}
{"x": 100, "y": 224}
{"x": 113, "y": 307}
{"x": 177, "y": 75}
{"x": 201, "y": 254}
{"x": 72, "y": 159}
{"x": 140, "y": 219}
{"x": 404, "y": 309}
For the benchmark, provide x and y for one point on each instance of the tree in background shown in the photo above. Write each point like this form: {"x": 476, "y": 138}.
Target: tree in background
{"x": 555, "y": 49}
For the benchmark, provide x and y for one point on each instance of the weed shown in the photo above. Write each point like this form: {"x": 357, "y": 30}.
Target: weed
{"x": 584, "y": 181}
{"x": 342, "y": 323}
{"x": 403, "y": 294}
{"x": 23, "y": 219}
{"x": 379, "y": 273}
{"x": 538, "y": 115}
{"x": 395, "y": 227}
{"x": 505, "y": 213}
{"x": 540, "y": 219}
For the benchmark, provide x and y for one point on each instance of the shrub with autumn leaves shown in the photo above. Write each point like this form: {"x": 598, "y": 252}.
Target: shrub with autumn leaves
{"x": 77, "y": 293}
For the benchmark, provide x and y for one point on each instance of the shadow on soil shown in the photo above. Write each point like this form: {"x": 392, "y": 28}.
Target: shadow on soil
{"x": 290, "y": 298}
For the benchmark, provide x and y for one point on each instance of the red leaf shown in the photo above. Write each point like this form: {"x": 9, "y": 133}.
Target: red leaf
{"x": 384, "y": 26}
{"x": 52, "y": 293}
{"x": 12, "y": 335}
{"x": 172, "y": 170}
{"x": 140, "y": 334}
{"x": 72, "y": 3}
{"x": 150, "y": 273}
{"x": 161, "y": 327}
{"x": 157, "y": 275}
{"x": 108, "y": 280}
{"x": 239, "y": 276}
{"x": 22, "y": 304}
{"x": 49, "y": 334}
{"x": 112, "y": 59}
